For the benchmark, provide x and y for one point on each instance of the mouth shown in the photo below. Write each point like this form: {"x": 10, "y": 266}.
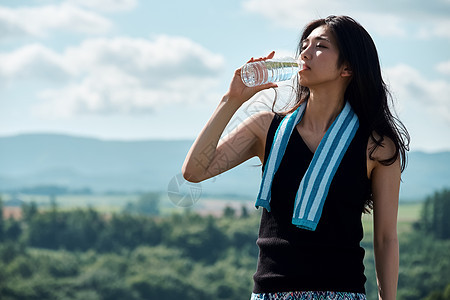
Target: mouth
{"x": 305, "y": 67}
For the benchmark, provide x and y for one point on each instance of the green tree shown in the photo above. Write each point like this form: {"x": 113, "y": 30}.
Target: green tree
{"x": 199, "y": 237}
{"x": 434, "y": 216}
{"x": 12, "y": 230}
{"x": 435, "y": 295}
{"x": 147, "y": 204}
{"x": 424, "y": 266}
{"x": 46, "y": 229}
{"x": 10, "y": 250}
{"x": 229, "y": 212}
{"x": 29, "y": 210}
{"x": 128, "y": 231}
{"x": 81, "y": 229}
{"x": 2, "y": 223}
{"x": 244, "y": 212}
{"x": 446, "y": 293}
{"x": 440, "y": 295}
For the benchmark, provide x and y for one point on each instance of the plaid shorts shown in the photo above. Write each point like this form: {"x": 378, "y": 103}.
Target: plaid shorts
{"x": 303, "y": 295}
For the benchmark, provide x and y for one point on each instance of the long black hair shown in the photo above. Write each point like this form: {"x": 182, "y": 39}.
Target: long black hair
{"x": 367, "y": 93}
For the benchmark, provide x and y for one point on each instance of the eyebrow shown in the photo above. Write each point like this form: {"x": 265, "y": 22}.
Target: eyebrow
{"x": 320, "y": 37}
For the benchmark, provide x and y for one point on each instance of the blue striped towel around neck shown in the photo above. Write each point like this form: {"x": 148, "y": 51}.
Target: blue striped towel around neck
{"x": 313, "y": 188}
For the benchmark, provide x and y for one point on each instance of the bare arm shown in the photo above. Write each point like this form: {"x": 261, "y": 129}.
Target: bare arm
{"x": 210, "y": 156}
{"x": 385, "y": 189}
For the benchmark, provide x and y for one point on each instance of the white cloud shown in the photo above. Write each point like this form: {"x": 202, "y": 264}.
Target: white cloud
{"x": 435, "y": 28}
{"x": 37, "y": 21}
{"x": 392, "y": 23}
{"x": 119, "y": 75}
{"x": 106, "y": 5}
{"x": 384, "y": 17}
{"x": 430, "y": 98}
{"x": 32, "y": 62}
{"x": 301, "y": 12}
{"x": 160, "y": 59}
{"x": 444, "y": 67}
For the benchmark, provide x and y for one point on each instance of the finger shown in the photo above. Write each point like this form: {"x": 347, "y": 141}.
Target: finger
{"x": 270, "y": 56}
{"x": 267, "y": 86}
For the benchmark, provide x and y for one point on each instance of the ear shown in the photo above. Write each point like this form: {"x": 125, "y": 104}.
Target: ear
{"x": 346, "y": 71}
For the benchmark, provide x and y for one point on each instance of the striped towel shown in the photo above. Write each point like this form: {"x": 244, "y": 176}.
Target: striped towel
{"x": 314, "y": 185}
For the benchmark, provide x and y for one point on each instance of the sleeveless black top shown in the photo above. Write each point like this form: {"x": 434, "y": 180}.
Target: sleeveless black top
{"x": 329, "y": 258}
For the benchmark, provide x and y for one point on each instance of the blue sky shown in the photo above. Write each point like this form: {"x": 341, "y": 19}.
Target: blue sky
{"x": 130, "y": 69}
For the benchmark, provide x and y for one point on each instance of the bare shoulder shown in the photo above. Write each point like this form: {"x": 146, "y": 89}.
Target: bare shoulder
{"x": 377, "y": 153}
{"x": 384, "y": 151}
{"x": 261, "y": 121}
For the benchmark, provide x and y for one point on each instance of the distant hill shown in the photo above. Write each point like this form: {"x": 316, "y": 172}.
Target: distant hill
{"x": 101, "y": 165}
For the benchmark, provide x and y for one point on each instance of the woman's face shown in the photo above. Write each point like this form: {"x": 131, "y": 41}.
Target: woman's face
{"x": 320, "y": 56}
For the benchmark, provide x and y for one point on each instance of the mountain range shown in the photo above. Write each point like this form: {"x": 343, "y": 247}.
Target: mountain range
{"x": 30, "y": 160}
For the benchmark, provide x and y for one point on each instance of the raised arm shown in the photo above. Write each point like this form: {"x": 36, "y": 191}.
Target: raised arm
{"x": 385, "y": 191}
{"x": 210, "y": 156}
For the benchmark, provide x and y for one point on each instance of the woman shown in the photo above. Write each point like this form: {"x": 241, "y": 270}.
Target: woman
{"x": 318, "y": 257}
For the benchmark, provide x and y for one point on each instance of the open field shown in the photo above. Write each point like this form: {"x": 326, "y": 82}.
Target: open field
{"x": 408, "y": 212}
{"x": 103, "y": 203}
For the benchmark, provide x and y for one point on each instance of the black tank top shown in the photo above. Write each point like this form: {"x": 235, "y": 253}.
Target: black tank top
{"x": 329, "y": 258}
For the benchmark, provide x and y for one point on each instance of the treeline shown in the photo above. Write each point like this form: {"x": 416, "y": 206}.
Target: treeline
{"x": 200, "y": 238}
{"x": 83, "y": 254}
{"x": 425, "y": 252}
{"x": 53, "y": 190}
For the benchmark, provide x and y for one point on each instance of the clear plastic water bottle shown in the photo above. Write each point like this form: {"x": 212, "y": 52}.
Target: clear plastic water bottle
{"x": 270, "y": 70}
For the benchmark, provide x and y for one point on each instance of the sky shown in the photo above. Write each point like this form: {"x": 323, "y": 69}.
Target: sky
{"x": 135, "y": 69}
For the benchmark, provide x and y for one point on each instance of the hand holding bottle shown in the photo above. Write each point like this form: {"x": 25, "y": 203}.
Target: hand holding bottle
{"x": 199, "y": 165}
{"x": 238, "y": 91}
{"x": 271, "y": 70}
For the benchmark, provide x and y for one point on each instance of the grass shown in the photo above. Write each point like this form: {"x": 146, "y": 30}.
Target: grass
{"x": 103, "y": 203}
{"x": 408, "y": 213}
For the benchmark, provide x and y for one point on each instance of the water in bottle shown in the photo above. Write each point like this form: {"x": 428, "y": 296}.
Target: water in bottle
{"x": 270, "y": 70}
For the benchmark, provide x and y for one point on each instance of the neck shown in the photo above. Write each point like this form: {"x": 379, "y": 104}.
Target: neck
{"x": 321, "y": 110}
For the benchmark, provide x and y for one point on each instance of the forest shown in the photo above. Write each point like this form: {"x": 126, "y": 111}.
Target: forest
{"x": 139, "y": 253}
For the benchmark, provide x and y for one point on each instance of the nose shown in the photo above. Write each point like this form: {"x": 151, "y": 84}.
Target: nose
{"x": 306, "y": 51}
{"x": 305, "y": 54}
